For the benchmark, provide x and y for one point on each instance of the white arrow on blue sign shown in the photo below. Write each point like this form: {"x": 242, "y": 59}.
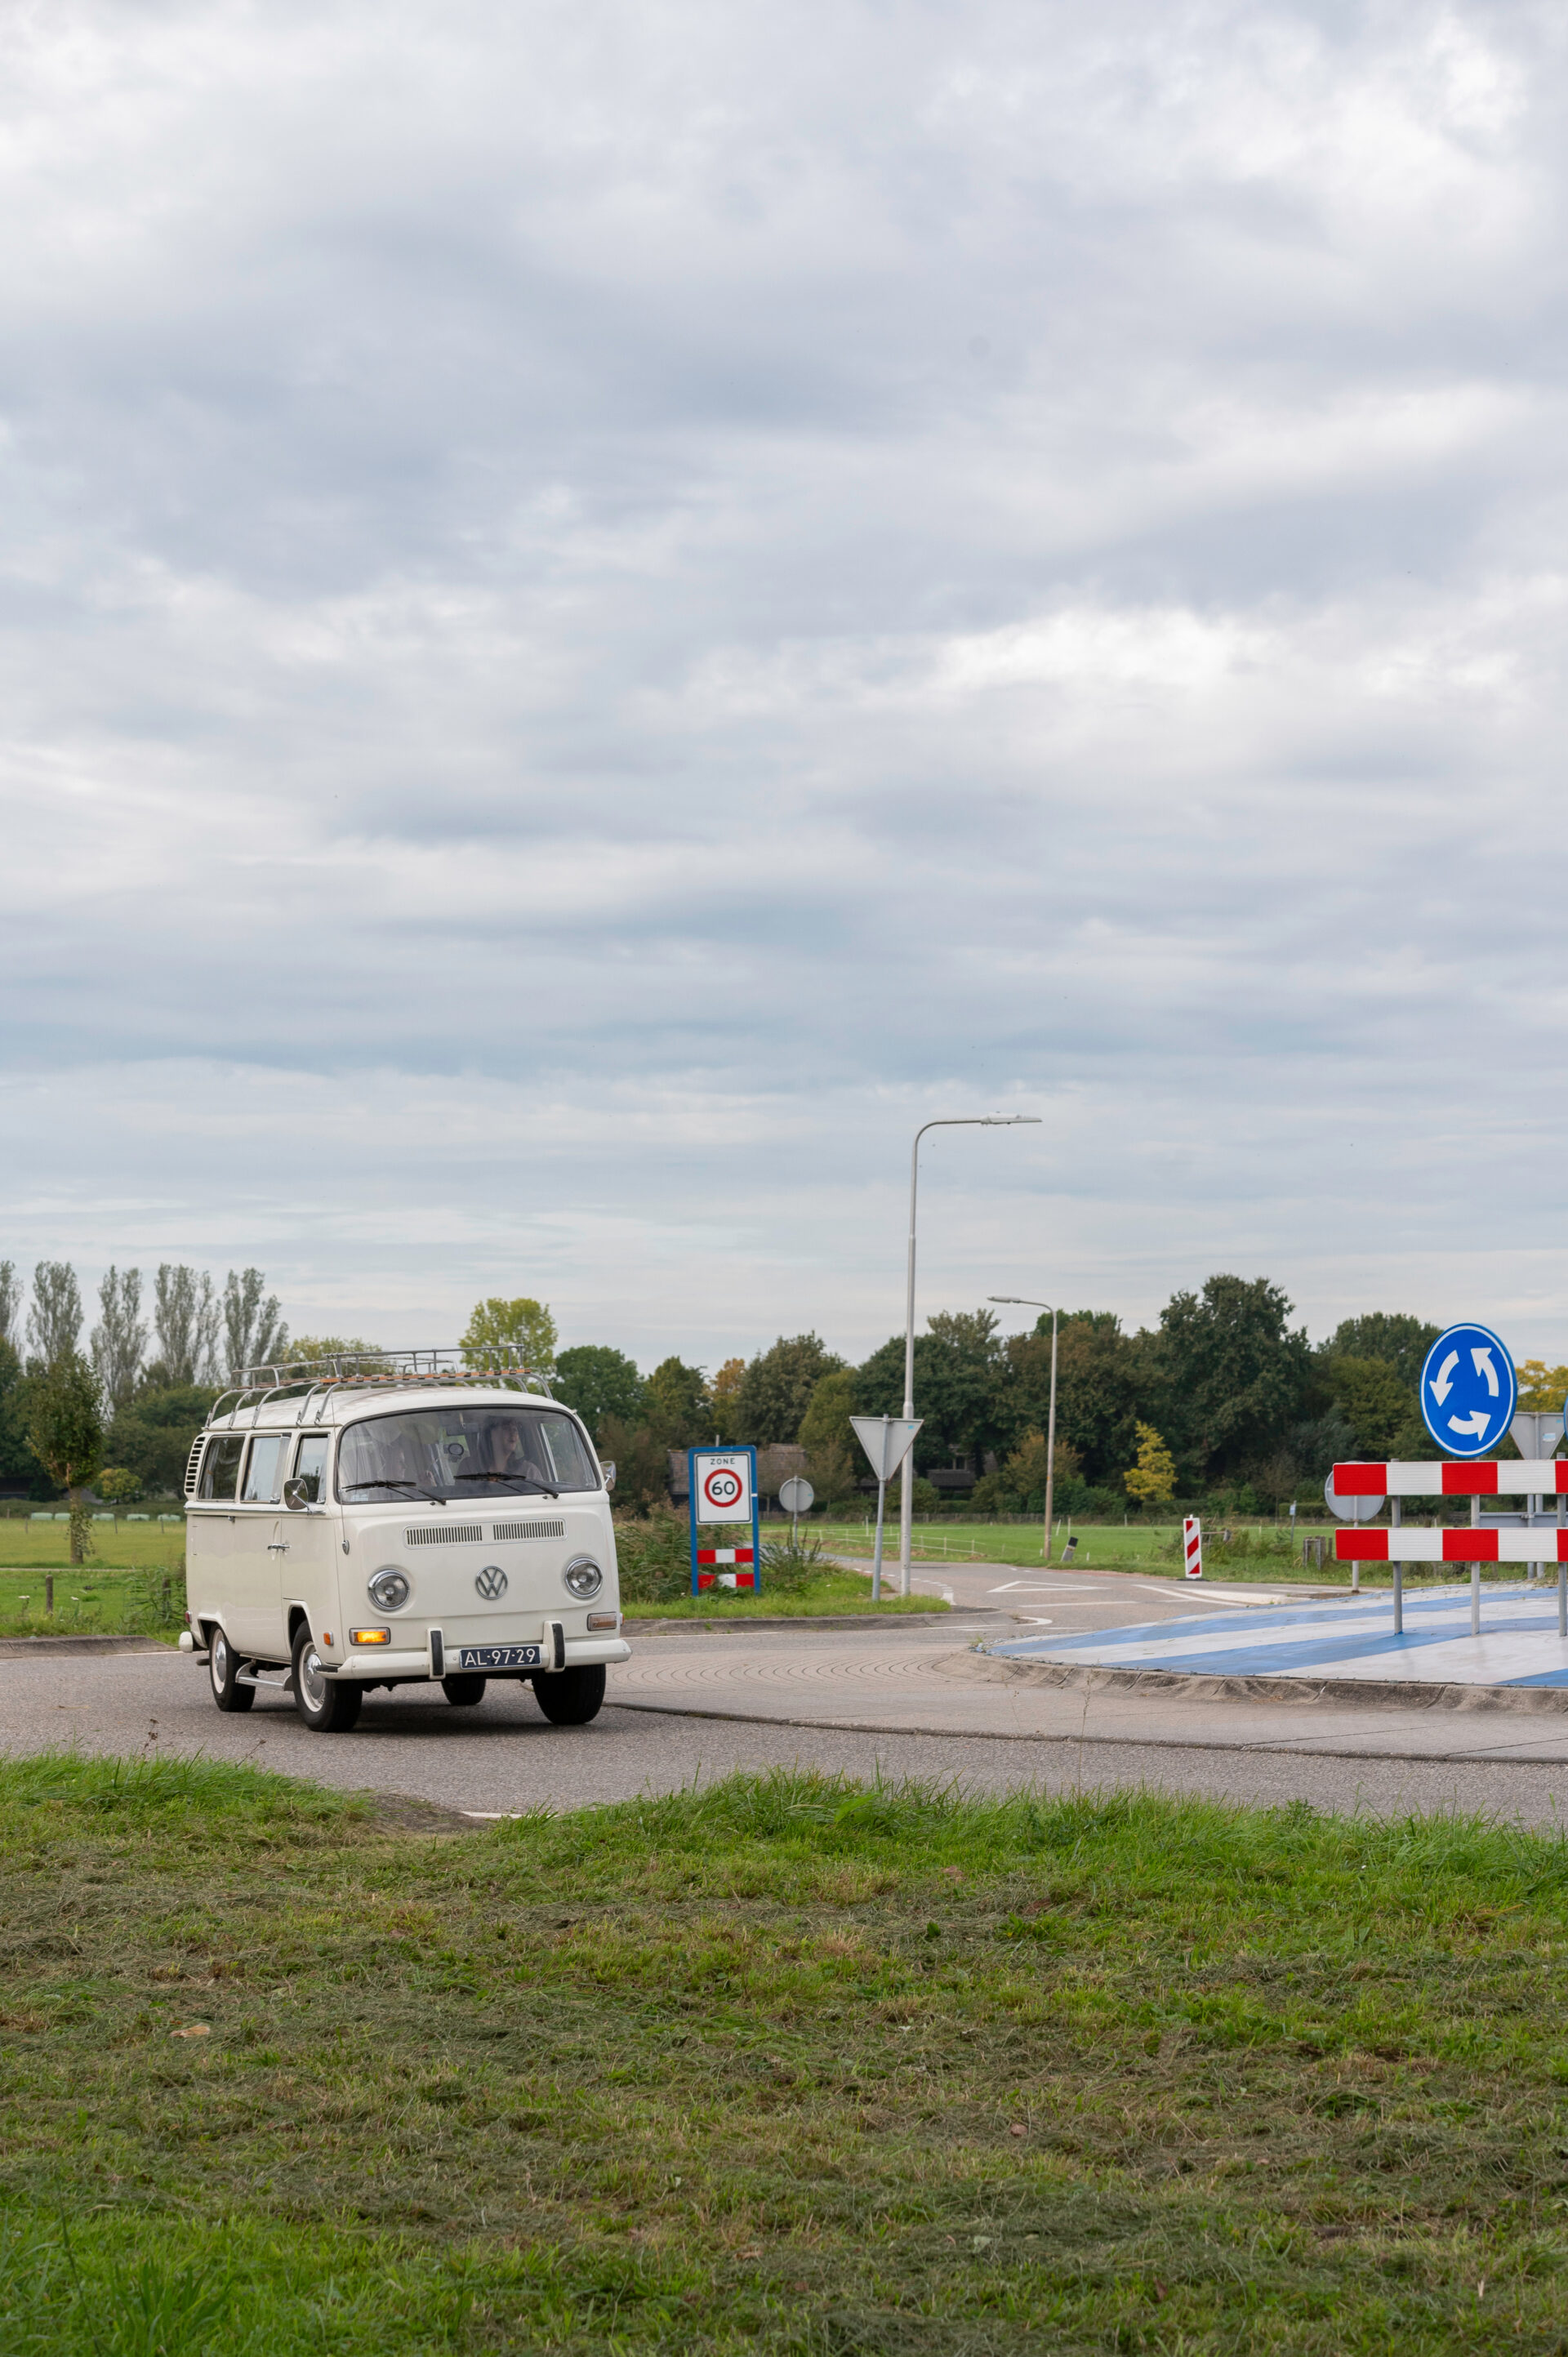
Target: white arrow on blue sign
{"x": 1468, "y": 1391}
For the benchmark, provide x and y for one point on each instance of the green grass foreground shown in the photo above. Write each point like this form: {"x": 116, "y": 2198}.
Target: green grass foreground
{"x": 783, "y": 2066}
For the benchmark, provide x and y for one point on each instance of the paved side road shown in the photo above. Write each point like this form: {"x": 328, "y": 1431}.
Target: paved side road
{"x": 503, "y": 1756}
{"x": 1078, "y": 1598}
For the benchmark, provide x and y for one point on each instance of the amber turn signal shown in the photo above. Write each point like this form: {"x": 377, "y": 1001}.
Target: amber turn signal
{"x": 369, "y": 1636}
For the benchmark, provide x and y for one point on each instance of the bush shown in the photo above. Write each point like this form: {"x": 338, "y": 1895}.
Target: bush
{"x": 654, "y": 1552}
{"x": 158, "y": 1598}
{"x": 793, "y": 1563}
{"x": 151, "y": 1436}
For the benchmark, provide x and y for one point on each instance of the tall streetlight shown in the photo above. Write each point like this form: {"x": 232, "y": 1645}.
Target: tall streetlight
{"x": 1016, "y": 1301}
{"x": 906, "y": 1479}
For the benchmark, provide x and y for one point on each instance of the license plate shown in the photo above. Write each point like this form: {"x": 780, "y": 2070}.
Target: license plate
{"x": 499, "y": 1657}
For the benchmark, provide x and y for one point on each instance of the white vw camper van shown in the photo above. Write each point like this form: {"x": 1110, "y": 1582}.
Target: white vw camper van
{"x": 396, "y": 1517}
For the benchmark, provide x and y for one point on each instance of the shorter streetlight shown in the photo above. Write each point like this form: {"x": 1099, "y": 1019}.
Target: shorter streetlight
{"x": 1016, "y": 1301}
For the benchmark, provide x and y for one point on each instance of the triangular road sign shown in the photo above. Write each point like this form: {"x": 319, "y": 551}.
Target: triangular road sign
{"x": 887, "y": 1440}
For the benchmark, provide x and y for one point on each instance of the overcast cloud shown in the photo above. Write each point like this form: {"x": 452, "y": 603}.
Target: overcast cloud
{"x": 603, "y": 608}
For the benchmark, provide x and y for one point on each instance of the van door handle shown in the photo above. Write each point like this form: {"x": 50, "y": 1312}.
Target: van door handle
{"x": 277, "y": 1546}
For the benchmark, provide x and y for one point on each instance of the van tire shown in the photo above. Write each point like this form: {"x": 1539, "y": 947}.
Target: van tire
{"x": 571, "y": 1697}
{"x": 224, "y": 1667}
{"x": 465, "y": 1689}
{"x": 322, "y": 1703}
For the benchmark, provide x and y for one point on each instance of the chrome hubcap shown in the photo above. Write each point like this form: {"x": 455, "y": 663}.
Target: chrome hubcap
{"x": 312, "y": 1678}
{"x": 219, "y": 1661}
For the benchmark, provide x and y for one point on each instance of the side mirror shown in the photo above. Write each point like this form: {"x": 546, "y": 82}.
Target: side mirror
{"x": 609, "y": 1473}
{"x": 296, "y": 1494}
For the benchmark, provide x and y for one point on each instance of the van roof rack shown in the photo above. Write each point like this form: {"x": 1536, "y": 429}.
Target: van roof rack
{"x": 343, "y": 1370}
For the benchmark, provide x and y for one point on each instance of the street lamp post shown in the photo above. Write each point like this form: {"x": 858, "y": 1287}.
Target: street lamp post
{"x": 1016, "y": 1301}
{"x": 906, "y": 1479}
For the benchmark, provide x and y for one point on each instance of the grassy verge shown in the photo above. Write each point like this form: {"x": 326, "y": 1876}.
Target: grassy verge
{"x": 784, "y": 2066}
{"x": 834, "y": 1592}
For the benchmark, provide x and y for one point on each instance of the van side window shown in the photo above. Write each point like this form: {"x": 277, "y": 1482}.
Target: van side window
{"x": 263, "y": 1474}
{"x": 221, "y": 1467}
{"x": 310, "y": 1465}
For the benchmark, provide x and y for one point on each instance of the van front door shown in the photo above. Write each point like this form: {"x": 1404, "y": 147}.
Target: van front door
{"x": 306, "y": 1542}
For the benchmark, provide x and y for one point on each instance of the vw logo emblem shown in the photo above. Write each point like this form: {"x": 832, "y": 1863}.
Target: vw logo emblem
{"x": 491, "y": 1583}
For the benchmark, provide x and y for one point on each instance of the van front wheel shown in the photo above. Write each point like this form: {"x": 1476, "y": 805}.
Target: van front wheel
{"x": 571, "y": 1697}
{"x": 223, "y": 1669}
{"x": 320, "y": 1701}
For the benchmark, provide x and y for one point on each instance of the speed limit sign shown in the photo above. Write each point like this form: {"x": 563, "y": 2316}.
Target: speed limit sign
{"x": 723, "y": 1485}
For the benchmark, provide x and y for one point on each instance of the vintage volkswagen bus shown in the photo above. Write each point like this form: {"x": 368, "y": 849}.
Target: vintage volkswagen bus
{"x": 400, "y": 1519}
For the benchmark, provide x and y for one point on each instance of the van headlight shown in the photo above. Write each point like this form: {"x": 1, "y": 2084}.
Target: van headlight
{"x": 389, "y": 1588}
{"x": 583, "y": 1577}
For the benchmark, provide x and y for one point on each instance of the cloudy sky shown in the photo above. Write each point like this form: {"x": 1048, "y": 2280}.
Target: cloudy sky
{"x": 605, "y": 607}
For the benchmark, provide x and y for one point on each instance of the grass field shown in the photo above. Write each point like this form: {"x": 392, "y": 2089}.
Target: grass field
{"x": 787, "y": 2066}
{"x": 1152, "y": 1547}
{"x": 123, "y": 1546}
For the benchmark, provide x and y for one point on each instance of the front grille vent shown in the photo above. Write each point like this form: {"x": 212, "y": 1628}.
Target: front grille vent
{"x": 528, "y": 1530}
{"x": 447, "y": 1534}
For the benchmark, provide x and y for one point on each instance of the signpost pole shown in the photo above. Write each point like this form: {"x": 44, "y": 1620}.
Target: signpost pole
{"x": 881, "y": 1517}
{"x": 1394, "y": 1505}
{"x": 1474, "y": 1574}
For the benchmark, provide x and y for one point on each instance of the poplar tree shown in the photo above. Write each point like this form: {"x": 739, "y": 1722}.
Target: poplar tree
{"x": 65, "y": 1425}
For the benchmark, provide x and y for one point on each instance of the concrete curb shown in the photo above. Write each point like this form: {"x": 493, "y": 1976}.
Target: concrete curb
{"x": 23, "y": 1648}
{"x": 1072, "y": 1741}
{"x": 1375, "y": 1694}
{"x": 636, "y": 1628}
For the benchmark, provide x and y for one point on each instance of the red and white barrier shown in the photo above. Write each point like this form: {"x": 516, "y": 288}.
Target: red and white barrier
{"x": 1519, "y": 1544}
{"x": 1192, "y": 1547}
{"x": 707, "y": 1578}
{"x": 1527, "y": 1477}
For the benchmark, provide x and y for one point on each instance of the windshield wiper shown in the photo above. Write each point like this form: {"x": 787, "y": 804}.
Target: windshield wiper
{"x": 433, "y": 1495}
{"x": 526, "y": 1480}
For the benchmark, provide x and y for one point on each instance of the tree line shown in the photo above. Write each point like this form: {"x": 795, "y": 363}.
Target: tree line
{"x": 133, "y": 1395}
{"x": 1224, "y": 1399}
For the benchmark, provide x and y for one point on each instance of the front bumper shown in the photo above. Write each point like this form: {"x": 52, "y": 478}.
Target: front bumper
{"x": 378, "y": 1661}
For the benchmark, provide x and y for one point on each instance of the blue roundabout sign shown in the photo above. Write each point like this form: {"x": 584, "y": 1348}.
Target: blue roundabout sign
{"x": 1468, "y": 1391}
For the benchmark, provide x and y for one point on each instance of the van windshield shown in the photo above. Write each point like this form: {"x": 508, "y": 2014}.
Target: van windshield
{"x": 463, "y": 1453}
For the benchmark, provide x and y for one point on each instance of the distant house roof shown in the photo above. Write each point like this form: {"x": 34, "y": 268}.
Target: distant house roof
{"x": 774, "y": 1465}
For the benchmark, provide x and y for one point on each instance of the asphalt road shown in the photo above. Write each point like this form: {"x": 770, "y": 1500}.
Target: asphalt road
{"x": 1077, "y": 1598}
{"x": 881, "y": 1701}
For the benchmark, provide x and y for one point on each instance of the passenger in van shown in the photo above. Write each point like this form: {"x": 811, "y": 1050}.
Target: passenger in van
{"x": 506, "y": 1444}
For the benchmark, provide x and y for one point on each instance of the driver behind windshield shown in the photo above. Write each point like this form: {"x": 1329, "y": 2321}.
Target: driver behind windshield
{"x": 506, "y": 1453}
